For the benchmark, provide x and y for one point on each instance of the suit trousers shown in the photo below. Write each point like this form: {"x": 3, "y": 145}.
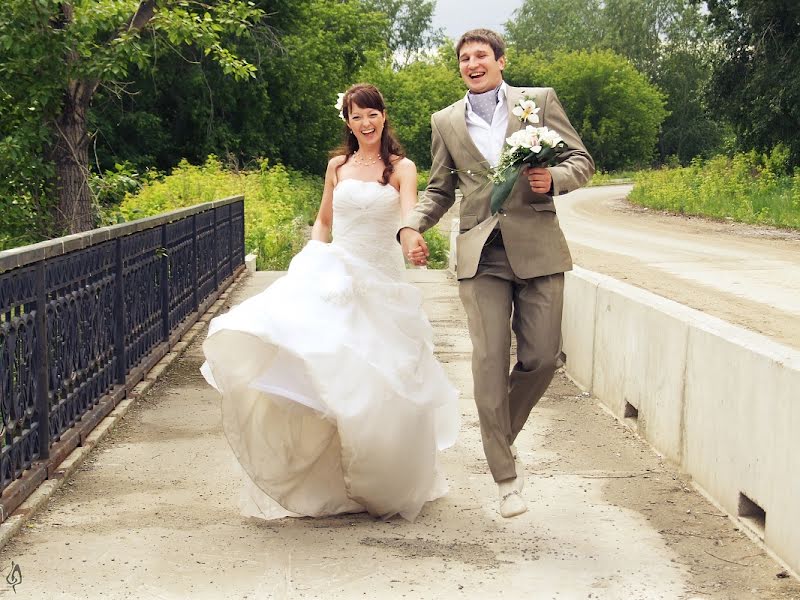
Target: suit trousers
{"x": 497, "y": 302}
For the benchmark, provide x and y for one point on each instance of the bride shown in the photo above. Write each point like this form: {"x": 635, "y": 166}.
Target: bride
{"x": 332, "y": 400}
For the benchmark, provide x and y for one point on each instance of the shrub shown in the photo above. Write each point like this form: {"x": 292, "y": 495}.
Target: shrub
{"x": 439, "y": 248}
{"x": 280, "y": 203}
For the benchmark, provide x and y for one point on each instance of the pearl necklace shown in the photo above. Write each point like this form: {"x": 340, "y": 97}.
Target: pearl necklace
{"x": 357, "y": 159}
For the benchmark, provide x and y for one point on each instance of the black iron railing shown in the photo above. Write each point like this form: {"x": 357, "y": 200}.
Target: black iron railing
{"x": 84, "y": 317}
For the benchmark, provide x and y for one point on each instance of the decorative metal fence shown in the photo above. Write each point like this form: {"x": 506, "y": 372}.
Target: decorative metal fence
{"x": 84, "y": 317}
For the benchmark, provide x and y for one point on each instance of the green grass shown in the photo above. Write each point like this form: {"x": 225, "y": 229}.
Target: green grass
{"x": 611, "y": 178}
{"x": 744, "y": 188}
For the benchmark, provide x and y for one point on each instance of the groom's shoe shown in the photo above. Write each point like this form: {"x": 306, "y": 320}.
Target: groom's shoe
{"x": 511, "y": 502}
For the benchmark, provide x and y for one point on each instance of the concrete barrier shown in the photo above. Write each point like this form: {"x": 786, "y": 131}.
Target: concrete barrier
{"x": 719, "y": 400}
{"x": 250, "y": 262}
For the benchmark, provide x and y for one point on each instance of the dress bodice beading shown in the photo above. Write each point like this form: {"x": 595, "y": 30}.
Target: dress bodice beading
{"x": 366, "y": 217}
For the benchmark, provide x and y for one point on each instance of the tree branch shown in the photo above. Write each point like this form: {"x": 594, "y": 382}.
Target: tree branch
{"x": 143, "y": 15}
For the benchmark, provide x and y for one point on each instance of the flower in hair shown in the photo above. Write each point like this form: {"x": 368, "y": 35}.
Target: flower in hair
{"x": 340, "y": 105}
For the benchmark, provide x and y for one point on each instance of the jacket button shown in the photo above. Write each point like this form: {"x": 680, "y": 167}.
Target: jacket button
{"x": 502, "y": 211}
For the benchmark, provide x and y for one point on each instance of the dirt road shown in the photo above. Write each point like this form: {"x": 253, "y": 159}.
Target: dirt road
{"x": 744, "y": 274}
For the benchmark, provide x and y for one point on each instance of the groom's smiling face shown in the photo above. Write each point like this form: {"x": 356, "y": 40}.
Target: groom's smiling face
{"x": 480, "y": 70}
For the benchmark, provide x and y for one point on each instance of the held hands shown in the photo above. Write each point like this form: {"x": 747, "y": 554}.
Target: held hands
{"x": 540, "y": 179}
{"x": 414, "y": 247}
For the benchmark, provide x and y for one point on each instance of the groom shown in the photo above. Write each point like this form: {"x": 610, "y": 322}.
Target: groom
{"x": 510, "y": 265}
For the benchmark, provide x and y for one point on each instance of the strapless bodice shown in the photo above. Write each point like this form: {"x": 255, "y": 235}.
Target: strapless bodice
{"x": 366, "y": 217}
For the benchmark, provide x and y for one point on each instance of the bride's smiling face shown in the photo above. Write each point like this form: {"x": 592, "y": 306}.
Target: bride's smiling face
{"x": 366, "y": 124}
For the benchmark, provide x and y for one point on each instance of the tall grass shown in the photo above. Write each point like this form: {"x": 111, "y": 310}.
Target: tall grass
{"x": 280, "y": 203}
{"x": 611, "y": 178}
{"x": 749, "y": 187}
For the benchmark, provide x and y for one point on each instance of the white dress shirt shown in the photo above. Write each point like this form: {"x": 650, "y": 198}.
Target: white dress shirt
{"x": 489, "y": 139}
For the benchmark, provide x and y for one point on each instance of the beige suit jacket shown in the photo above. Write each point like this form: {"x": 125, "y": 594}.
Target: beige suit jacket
{"x": 533, "y": 239}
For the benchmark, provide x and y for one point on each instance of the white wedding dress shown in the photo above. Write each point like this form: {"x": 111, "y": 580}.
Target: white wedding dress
{"x": 332, "y": 400}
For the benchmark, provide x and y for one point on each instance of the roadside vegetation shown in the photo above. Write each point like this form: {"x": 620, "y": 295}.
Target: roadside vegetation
{"x": 94, "y": 134}
{"x": 280, "y": 206}
{"x": 749, "y": 187}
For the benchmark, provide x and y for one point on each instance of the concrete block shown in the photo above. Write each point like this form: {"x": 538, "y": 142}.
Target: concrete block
{"x": 122, "y": 408}
{"x": 742, "y": 421}
{"x": 157, "y": 370}
{"x": 250, "y": 263}
{"x": 141, "y": 388}
{"x": 640, "y": 361}
{"x": 577, "y": 324}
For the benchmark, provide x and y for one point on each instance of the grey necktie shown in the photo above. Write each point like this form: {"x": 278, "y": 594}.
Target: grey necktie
{"x": 484, "y": 104}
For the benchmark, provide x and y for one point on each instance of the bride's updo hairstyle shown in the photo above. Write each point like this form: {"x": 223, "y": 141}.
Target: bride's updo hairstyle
{"x": 366, "y": 95}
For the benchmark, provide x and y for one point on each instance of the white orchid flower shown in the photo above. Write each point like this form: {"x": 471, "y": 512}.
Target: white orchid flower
{"x": 548, "y": 136}
{"x": 340, "y": 105}
{"x": 527, "y": 111}
{"x": 521, "y": 138}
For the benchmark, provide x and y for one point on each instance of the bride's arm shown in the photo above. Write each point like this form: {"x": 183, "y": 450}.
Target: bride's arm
{"x": 322, "y": 226}
{"x": 406, "y": 173}
{"x": 414, "y": 246}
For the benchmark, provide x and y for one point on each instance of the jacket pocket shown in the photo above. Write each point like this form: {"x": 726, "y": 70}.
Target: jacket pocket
{"x": 467, "y": 222}
{"x": 549, "y": 206}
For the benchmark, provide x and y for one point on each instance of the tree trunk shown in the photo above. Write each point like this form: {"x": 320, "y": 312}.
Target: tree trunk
{"x": 70, "y": 150}
{"x": 71, "y": 157}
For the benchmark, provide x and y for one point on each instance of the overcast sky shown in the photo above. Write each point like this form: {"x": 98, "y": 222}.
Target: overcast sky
{"x": 458, "y": 16}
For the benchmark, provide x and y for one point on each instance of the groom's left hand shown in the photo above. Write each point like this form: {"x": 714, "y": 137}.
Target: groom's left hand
{"x": 540, "y": 180}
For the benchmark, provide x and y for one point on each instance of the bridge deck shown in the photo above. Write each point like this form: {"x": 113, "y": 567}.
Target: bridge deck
{"x": 152, "y": 513}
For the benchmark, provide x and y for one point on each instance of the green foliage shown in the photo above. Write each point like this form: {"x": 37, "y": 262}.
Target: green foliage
{"x": 410, "y": 31}
{"x": 756, "y": 82}
{"x": 749, "y": 187}
{"x": 280, "y": 204}
{"x": 616, "y": 111}
{"x": 669, "y": 41}
{"x": 549, "y": 26}
{"x": 689, "y": 129}
{"x": 611, "y": 178}
{"x": 439, "y": 248}
{"x": 56, "y": 54}
{"x": 422, "y": 179}
{"x": 183, "y": 106}
{"x": 412, "y": 95}
{"x": 321, "y": 57}
{"x": 112, "y": 186}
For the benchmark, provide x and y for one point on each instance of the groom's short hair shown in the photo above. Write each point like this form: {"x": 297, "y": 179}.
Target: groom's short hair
{"x": 484, "y": 36}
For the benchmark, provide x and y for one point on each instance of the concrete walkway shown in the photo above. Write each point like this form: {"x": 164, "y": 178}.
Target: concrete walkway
{"x": 152, "y": 513}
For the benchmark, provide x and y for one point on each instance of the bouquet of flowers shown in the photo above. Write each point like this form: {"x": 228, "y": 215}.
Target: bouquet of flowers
{"x": 532, "y": 146}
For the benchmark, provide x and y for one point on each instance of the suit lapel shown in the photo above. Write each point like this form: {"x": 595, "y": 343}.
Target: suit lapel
{"x": 458, "y": 121}
{"x": 513, "y": 95}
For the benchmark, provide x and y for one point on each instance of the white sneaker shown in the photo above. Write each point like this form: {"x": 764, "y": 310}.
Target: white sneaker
{"x": 511, "y": 502}
{"x": 512, "y": 505}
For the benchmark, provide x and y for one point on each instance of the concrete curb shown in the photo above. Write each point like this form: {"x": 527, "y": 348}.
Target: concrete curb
{"x": 39, "y": 498}
{"x": 716, "y": 399}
